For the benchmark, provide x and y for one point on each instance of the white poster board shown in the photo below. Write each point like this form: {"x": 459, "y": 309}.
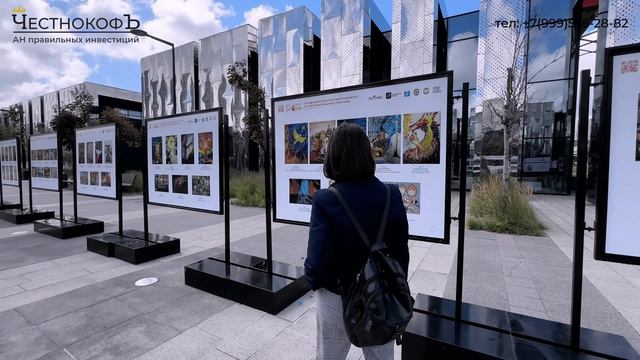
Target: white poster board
{"x": 96, "y": 161}
{"x": 617, "y": 238}
{"x": 407, "y": 123}
{"x": 44, "y": 161}
{"x": 9, "y": 169}
{"x": 183, "y": 160}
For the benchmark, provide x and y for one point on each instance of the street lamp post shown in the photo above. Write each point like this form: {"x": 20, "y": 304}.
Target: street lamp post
{"x": 139, "y": 32}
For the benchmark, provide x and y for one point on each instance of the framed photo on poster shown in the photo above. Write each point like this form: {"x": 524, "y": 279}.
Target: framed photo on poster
{"x": 44, "y": 161}
{"x": 96, "y": 157}
{"x": 408, "y": 124}
{"x": 10, "y": 162}
{"x": 184, "y": 161}
{"x": 618, "y": 202}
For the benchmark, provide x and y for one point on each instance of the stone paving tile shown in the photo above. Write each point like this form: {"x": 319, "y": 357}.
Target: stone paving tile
{"x": 306, "y": 324}
{"x": 25, "y": 344}
{"x": 287, "y": 345}
{"x": 11, "y": 321}
{"x": 62, "y": 304}
{"x": 532, "y": 303}
{"x": 11, "y": 291}
{"x": 59, "y": 354}
{"x": 231, "y": 321}
{"x": 193, "y": 344}
{"x": 125, "y": 341}
{"x": 70, "y": 328}
{"x": 428, "y": 282}
{"x": 298, "y": 308}
{"x": 522, "y": 291}
{"x": 253, "y": 337}
{"x": 519, "y": 281}
{"x": 200, "y": 306}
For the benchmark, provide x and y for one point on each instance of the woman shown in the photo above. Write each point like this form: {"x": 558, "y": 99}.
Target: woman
{"x": 335, "y": 252}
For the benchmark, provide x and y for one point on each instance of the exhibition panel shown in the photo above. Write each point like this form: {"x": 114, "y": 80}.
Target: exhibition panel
{"x": 44, "y": 161}
{"x": 618, "y": 193}
{"x": 96, "y": 149}
{"x": 9, "y": 162}
{"x": 184, "y": 162}
{"x": 408, "y": 125}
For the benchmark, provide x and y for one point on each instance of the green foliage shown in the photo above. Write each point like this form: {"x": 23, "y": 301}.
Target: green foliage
{"x": 71, "y": 116}
{"x": 503, "y": 208}
{"x": 138, "y": 183}
{"x": 129, "y": 133}
{"x": 237, "y": 75}
{"x": 247, "y": 189}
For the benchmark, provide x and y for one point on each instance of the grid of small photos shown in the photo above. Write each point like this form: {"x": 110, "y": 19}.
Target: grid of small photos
{"x": 409, "y": 139}
{"x": 98, "y": 152}
{"x": 180, "y": 150}
{"x": 44, "y": 172}
{"x": 9, "y": 154}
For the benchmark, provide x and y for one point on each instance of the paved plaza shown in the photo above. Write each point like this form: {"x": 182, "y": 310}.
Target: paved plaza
{"x": 58, "y": 301}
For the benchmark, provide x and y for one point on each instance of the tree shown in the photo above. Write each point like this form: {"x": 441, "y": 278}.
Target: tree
{"x": 71, "y": 116}
{"x": 129, "y": 133}
{"x": 237, "y": 75}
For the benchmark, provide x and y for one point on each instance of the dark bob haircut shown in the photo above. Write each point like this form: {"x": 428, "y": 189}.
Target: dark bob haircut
{"x": 349, "y": 155}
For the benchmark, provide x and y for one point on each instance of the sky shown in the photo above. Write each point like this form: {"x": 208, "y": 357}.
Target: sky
{"x": 30, "y": 70}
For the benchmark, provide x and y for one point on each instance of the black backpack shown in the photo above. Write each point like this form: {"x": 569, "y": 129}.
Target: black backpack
{"x": 378, "y": 305}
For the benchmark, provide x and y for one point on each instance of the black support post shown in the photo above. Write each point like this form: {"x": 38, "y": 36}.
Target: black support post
{"x": 60, "y": 171}
{"x": 145, "y": 180}
{"x": 30, "y": 179}
{"x": 267, "y": 189}
{"x": 19, "y": 154}
{"x": 579, "y": 223}
{"x": 118, "y": 179}
{"x": 74, "y": 167}
{"x": 462, "y": 212}
{"x": 227, "y": 212}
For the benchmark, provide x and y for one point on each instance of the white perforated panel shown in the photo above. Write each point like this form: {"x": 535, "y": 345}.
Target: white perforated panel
{"x": 621, "y": 13}
{"x": 412, "y": 43}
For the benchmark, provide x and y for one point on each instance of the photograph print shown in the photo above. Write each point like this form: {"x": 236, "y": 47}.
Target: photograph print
{"x": 410, "y": 193}
{"x": 421, "y": 138}
{"x": 361, "y": 122}
{"x": 301, "y": 191}
{"x": 384, "y": 138}
{"x": 180, "y": 184}
{"x": 89, "y": 153}
{"x": 171, "y": 144}
{"x": 201, "y": 185}
{"x": 98, "y": 152}
{"x": 105, "y": 178}
{"x": 296, "y": 144}
{"x": 93, "y": 178}
{"x": 156, "y": 150}
{"x": 186, "y": 146}
{"x": 205, "y": 148}
{"x": 84, "y": 178}
{"x": 81, "y": 153}
{"x": 161, "y": 183}
{"x": 108, "y": 152}
{"x": 320, "y": 133}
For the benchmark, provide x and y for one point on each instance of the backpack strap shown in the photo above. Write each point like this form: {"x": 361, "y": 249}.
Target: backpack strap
{"x": 379, "y": 244}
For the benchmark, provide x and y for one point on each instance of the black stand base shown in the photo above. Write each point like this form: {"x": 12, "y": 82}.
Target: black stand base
{"x": 132, "y": 247}
{"x": 19, "y": 216}
{"x": 246, "y": 280}
{"x": 69, "y": 227}
{"x": 486, "y": 333}
{"x": 9, "y": 206}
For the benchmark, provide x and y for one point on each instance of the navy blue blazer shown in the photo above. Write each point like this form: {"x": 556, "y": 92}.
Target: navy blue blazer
{"x": 336, "y": 251}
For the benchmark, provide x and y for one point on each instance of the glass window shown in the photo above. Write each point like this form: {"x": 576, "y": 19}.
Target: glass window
{"x": 462, "y": 58}
{"x": 463, "y": 27}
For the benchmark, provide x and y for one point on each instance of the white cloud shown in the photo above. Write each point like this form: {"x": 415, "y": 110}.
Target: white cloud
{"x": 29, "y": 70}
{"x": 253, "y": 16}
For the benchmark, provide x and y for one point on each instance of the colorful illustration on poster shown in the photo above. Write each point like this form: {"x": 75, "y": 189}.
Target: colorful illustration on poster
{"x": 93, "y": 178}
{"x": 108, "y": 152}
{"x": 156, "y": 152}
{"x": 205, "y": 148}
{"x": 98, "y": 152}
{"x": 296, "y": 144}
{"x": 105, "y": 178}
{"x": 421, "y": 138}
{"x": 361, "y": 122}
{"x": 171, "y": 144}
{"x": 384, "y": 137}
{"x": 90, "y": 153}
{"x": 638, "y": 132}
{"x": 320, "y": 133}
{"x": 186, "y": 144}
{"x": 162, "y": 183}
{"x": 301, "y": 191}
{"x": 201, "y": 185}
{"x": 81, "y": 153}
{"x": 84, "y": 178}
{"x": 180, "y": 184}
{"x": 410, "y": 193}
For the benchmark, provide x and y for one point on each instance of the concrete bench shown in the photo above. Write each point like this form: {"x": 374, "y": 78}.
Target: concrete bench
{"x": 128, "y": 180}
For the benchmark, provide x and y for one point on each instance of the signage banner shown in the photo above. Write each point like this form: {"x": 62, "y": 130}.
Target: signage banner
{"x": 9, "y": 169}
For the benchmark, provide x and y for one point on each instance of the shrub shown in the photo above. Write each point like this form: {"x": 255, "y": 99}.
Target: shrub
{"x": 503, "y": 208}
{"x": 247, "y": 189}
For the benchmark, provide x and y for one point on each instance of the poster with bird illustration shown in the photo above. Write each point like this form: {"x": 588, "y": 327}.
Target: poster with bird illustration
{"x": 421, "y": 138}
{"x": 296, "y": 144}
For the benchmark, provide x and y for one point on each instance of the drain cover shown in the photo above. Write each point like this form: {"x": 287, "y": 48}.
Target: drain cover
{"x": 147, "y": 281}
